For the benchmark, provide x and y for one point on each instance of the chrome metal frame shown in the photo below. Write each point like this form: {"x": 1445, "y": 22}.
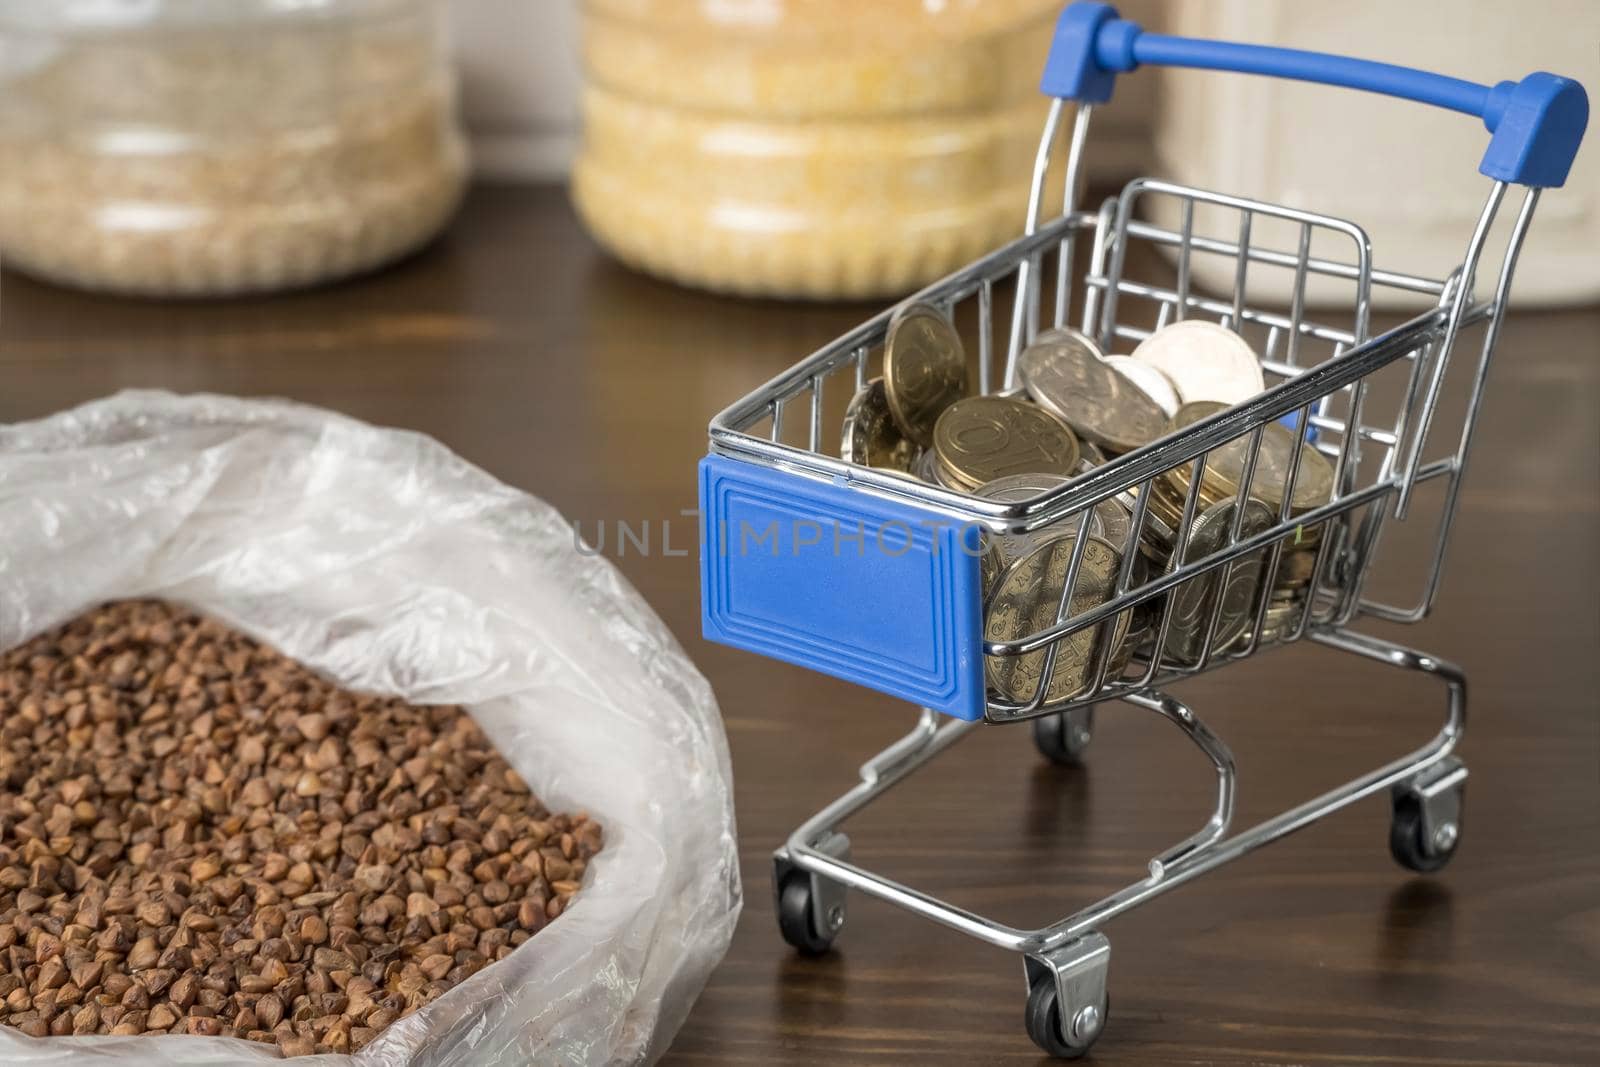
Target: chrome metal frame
{"x": 1379, "y": 460}
{"x": 1195, "y": 855}
{"x": 1430, "y": 771}
{"x": 1373, "y": 463}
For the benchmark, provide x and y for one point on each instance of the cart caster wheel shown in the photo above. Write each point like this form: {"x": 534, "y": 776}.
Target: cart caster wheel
{"x": 1043, "y": 1020}
{"x": 811, "y": 908}
{"x": 794, "y": 917}
{"x": 1062, "y": 738}
{"x": 1408, "y": 838}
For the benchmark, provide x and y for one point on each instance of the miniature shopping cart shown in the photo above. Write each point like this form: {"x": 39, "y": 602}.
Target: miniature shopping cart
{"x": 869, "y": 576}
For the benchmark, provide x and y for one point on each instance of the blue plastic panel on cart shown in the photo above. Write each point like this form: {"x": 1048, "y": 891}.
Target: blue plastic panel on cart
{"x": 874, "y": 591}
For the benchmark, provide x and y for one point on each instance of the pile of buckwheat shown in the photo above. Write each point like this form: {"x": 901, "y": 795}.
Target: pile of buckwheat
{"x": 200, "y": 836}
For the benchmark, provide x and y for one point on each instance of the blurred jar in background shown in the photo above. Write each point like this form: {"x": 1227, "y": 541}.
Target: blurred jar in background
{"x": 817, "y": 148}
{"x": 193, "y": 147}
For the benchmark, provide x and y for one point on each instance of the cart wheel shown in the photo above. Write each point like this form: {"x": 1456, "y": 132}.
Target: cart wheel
{"x": 1406, "y": 838}
{"x": 794, "y": 917}
{"x": 1062, "y": 738}
{"x": 1043, "y": 1019}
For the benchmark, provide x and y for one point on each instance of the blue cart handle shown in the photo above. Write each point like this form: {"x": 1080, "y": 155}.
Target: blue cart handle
{"x": 1536, "y": 123}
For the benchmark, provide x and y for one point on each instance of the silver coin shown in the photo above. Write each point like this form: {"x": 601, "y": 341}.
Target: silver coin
{"x": 1204, "y": 360}
{"x": 1191, "y": 604}
{"x": 1069, "y": 378}
{"x": 1150, "y": 378}
{"x": 1002, "y": 550}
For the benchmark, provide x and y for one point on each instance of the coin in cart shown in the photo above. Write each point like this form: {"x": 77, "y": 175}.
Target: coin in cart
{"x": 1225, "y": 464}
{"x": 1282, "y": 617}
{"x": 1067, "y": 375}
{"x": 1108, "y": 520}
{"x": 1313, "y": 485}
{"x": 981, "y": 438}
{"x": 871, "y": 437}
{"x": 1205, "y": 361}
{"x": 1227, "y": 593}
{"x": 924, "y": 369}
{"x": 1149, "y": 378}
{"x": 1027, "y": 599}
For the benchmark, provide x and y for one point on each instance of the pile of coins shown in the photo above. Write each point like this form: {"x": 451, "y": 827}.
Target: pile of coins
{"x": 1215, "y": 509}
{"x": 1081, "y": 406}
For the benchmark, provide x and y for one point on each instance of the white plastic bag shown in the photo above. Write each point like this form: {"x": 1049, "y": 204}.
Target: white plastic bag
{"x": 390, "y": 564}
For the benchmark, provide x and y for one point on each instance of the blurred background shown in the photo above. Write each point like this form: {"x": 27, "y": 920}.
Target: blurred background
{"x": 808, "y": 148}
{"x": 803, "y": 97}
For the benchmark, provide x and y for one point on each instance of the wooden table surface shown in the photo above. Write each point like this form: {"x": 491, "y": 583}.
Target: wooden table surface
{"x": 518, "y": 344}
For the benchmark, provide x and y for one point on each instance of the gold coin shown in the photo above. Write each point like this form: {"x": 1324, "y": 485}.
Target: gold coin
{"x": 1168, "y": 506}
{"x": 924, "y": 369}
{"x": 1225, "y": 465}
{"x": 981, "y": 438}
{"x": 871, "y": 437}
{"x": 943, "y": 475}
{"x": 1026, "y": 600}
{"x": 1191, "y": 604}
{"x": 1295, "y": 569}
{"x": 1145, "y": 615}
{"x": 1282, "y": 618}
{"x": 1001, "y": 550}
{"x": 1067, "y": 376}
{"x": 1161, "y": 518}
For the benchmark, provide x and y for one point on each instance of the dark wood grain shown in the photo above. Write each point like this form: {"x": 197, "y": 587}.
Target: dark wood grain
{"x": 520, "y": 346}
